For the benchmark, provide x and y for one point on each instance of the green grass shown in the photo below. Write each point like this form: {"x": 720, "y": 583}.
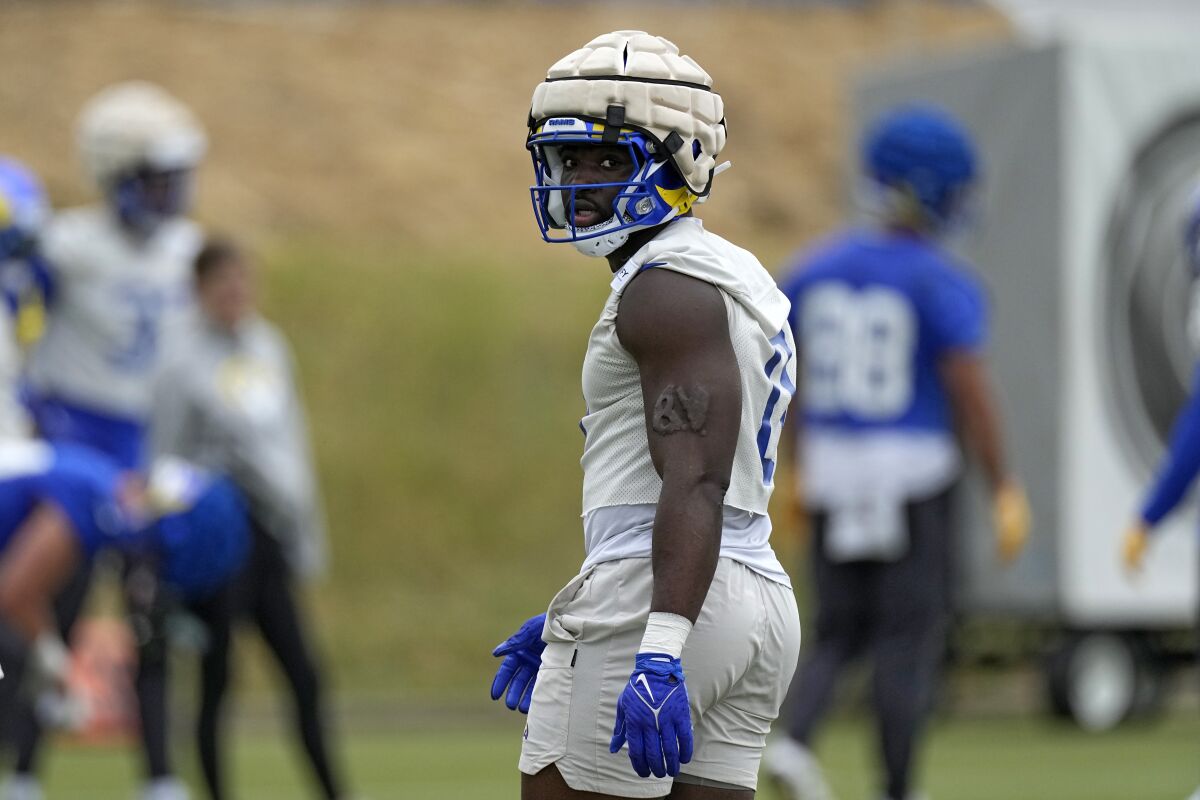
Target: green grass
{"x": 1004, "y": 759}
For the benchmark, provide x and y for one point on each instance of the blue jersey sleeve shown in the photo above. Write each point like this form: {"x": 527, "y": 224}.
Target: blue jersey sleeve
{"x": 956, "y": 312}
{"x": 83, "y": 485}
{"x": 1181, "y": 464}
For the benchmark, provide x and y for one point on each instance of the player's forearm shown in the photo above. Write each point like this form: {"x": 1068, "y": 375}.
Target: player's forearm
{"x": 983, "y": 437}
{"x": 975, "y": 410}
{"x": 1179, "y": 469}
{"x": 687, "y": 543}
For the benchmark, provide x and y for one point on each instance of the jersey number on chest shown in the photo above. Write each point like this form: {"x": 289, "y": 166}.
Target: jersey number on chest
{"x": 858, "y": 347}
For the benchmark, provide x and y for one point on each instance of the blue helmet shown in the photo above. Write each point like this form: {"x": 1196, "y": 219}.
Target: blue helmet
{"x": 923, "y": 152}
{"x": 203, "y": 538}
{"x": 23, "y": 208}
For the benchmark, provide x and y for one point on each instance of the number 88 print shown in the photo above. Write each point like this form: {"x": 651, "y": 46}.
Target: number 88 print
{"x": 858, "y": 349}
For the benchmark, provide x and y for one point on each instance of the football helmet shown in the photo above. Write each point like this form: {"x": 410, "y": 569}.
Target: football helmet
{"x": 924, "y": 160}
{"x": 198, "y": 526}
{"x": 23, "y": 209}
{"x": 633, "y": 90}
{"x": 140, "y": 145}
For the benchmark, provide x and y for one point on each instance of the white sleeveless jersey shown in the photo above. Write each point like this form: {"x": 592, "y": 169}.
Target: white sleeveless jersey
{"x": 117, "y": 303}
{"x": 616, "y": 457}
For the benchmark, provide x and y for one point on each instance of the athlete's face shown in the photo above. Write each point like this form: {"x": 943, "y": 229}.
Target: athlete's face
{"x": 226, "y": 293}
{"x": 594, "y": 164}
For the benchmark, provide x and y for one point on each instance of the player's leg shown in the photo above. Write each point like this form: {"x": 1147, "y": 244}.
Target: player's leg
{"x": 26, "y": 730}
{"x": 550, "y": 785}
{"x": 146, "y": 603}
{"x": 593, "y": 628}
{"x": 274, "y": 610}
{"x": 702, "y": 789}
{"x": 38, "y": 561}
{"x": 911, "y": 626}
{"x": 842, "y": 625}
{"x": 742, "y": 652}
{"x": 217, "y": 614}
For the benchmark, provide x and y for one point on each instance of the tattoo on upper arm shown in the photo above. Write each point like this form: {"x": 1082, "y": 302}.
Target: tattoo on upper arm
{"x": 680, "y": 408}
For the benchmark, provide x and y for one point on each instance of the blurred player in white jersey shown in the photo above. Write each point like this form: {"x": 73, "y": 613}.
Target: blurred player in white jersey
{"x": 677, "y": 640}
{"x": 119, "y": 272}
{"x": 891, "y": 331}
{"x": 1181, "y": 464}
{"x": 118, "y": 283}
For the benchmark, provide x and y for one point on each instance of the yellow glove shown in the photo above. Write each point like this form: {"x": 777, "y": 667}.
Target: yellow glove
{"x": 1133, "y": 547}
{"x": 1011, "y": 518}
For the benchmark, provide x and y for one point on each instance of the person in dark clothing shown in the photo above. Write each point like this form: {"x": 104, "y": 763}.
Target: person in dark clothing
{"x": 229, "y": 402}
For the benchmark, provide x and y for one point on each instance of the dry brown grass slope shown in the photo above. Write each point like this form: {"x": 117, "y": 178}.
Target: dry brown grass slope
{"x": 405, "y": 122}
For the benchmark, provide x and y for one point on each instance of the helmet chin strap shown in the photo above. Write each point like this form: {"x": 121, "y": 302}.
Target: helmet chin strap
{"x": 602, "y": 246}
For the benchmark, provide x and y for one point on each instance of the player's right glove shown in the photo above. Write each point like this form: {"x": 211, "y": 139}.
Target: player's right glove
{"x": 522, "y": 657}
{"x": 1011, "y": 517}
{"x": 1133, "y": 547}
{"x": 653, "y": 716}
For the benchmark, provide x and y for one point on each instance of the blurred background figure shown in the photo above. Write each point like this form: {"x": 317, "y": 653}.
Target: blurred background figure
{"x": 24, "y": 209}
{"x": 891, "y": 332}
{"x": 116, "y": 280}
{"x": 1181, "y": 462}
{"x": 60, "y": 505}
{"x": 228, "y": 401}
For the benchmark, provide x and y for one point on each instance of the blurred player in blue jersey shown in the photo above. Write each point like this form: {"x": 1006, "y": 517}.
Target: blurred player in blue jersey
{"x": 59, "y": 505}
{"x": 1181, "y": 464}
{"x": 118, "y": 286}
{"x": 23, "y": 211}
{"x": 659, "y": 669}
{"x": 891, "y": 333}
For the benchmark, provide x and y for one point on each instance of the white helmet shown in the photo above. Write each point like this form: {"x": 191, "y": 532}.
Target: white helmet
{"x": 134, "y": 125}
{"x": 633, "y": 89}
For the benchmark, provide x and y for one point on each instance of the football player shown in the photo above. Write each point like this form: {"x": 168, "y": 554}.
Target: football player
{"x": 659, "y": 669}
{"x": 1181, "y": 463}
{"x": 119, "y": 285}
{"x": 892, "y": 332}
{"x": 60, "y": 505}
{"x": 23, "y": 212}
{"x": 119, "y": 272}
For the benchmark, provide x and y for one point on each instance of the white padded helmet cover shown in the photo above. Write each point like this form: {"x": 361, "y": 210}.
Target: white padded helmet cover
{"x": 577, "y": 86}
{"x": 134, "y": 123}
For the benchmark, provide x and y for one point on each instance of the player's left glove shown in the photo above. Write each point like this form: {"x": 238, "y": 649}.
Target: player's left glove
{"x": 522, "y": 657}
{"x": 653, "y": 716}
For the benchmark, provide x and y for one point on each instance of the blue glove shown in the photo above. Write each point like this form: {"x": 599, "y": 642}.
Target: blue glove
{"x": 653, "y": 716}
{"x": 522, "y": 656}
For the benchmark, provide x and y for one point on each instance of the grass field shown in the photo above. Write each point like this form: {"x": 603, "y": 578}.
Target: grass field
{"x": 995, "y": 759}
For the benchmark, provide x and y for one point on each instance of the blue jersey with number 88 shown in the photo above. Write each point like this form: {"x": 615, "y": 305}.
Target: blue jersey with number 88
{"x": 872, "y": 315}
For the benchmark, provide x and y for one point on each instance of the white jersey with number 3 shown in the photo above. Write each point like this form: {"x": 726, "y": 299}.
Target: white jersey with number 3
{"x": 116, "y": 300}
{"x": 620, "y": 484}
